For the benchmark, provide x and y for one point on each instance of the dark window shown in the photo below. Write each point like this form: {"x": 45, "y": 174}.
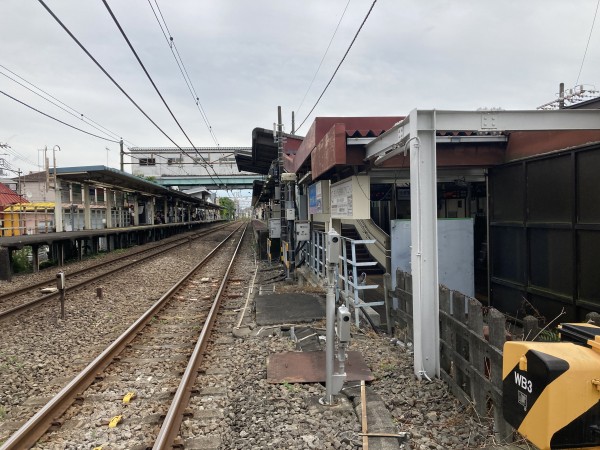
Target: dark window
{"x": 147, "y": 162}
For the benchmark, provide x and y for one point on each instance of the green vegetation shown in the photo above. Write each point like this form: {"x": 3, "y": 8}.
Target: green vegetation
{"x": 229, "y": 206}
{"x": 21, "y": 261}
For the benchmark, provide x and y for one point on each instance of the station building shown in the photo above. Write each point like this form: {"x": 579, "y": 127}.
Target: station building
{"x": 513, "y": 194}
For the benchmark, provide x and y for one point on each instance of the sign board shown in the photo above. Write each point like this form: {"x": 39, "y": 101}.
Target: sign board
{"x": 274, "y": 228}
{"x": 302, "y": 230}
{"x": 350, "y": 198}
{"x": 318, "y": 197}
{"x": 455, "y": 252}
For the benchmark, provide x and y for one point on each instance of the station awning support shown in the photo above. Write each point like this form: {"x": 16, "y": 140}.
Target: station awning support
{"x": 417, "y": 134}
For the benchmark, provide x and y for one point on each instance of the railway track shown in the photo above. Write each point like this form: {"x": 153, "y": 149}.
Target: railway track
{"x": 145, "y": 361}
{"x": 19, "y": 300}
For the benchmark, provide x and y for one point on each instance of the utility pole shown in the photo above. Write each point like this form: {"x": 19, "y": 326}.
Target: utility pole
{"x": 293, "y": 123}
{"x": 122, "y": 155}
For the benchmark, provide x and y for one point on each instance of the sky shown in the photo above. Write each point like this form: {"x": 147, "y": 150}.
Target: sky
{"x": 245, "y": 58}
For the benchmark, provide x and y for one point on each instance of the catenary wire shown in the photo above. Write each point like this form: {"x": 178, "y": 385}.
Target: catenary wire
{"x": 155, "y": 87}
{"x": 58, "y": 120}
{"x": 105, "y": 72}
{"x": 339, "y": 65}
{"x": 323, "y": 58}
{"x": 182, "y": 68}
{"x": 588, "y": 43}
{"x": 58, "y": 103}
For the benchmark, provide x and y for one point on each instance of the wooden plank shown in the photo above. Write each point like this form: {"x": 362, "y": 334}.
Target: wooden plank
{"x": 363, "y": 405}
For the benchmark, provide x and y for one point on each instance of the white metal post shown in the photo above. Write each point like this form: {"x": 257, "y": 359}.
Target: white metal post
{"x": 424, "y": 252}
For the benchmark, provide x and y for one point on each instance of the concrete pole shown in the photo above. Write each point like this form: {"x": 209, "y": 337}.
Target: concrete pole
{"x": 87, "y": 210}
{"x": 58, "y": 208}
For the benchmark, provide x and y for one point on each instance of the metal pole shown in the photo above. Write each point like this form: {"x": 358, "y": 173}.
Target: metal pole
{"x": 330, "y": 337}
{"x": 122, "y": 155}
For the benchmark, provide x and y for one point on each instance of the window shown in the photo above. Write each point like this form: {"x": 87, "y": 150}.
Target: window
{"x": 171, "y": 161}
{"x": 147, "y": 162}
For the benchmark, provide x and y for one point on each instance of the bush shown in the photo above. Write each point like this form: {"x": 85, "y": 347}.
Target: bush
{"x": 21, "y": 261}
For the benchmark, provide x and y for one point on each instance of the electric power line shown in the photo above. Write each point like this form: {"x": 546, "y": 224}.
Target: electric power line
{"x": 182, "y": 68}
{"x": 323, "y": 58}
{"x": 339, "y": 65}
{"x": 588, "y": 43}
{"x": 59, "y": 104}
{"x": 64, "y": 27}
{"x": 154, "y": 85}
{"x": 58, "y": 120}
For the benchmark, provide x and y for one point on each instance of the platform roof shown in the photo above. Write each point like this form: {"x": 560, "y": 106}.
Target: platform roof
{"x": 115, "y": 179}
{"x": 264, "y": 151}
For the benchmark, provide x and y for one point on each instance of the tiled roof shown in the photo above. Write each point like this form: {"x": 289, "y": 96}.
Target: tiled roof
{"x": 9, "y": 197}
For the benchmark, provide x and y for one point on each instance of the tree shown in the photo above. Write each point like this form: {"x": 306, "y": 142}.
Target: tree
{"x": 229, "y": 206}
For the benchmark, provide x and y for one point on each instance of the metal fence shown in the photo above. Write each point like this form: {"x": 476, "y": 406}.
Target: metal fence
{"x": 351, "y": 281}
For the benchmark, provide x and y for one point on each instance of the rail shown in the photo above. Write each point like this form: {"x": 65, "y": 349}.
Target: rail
{"x": 35, "y": 427}
{"x": 162, "y": 248}
{"x": 170, "y": 427}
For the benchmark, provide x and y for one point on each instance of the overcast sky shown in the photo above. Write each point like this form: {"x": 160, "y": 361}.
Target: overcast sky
{"x": 247, "y": 57}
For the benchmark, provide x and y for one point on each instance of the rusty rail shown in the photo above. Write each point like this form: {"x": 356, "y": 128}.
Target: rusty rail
{"x": 38, "y": 301}
{"x": 170, "y": 427}
{"x": 34, "y": 428}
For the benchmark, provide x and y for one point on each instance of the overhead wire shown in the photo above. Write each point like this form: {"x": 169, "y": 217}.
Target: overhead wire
{"x": 54, "y": 118}
{"x": 58, "y": 103}
{"x": 16, "y": 154}
{"x": 338, "y": 66}
{"x": 323, "y": 58}
{"x": 184, "y": 73}
{"x": 64, "y": 27}
{"x": 588, "y": 43}
{"x": 156, "y": 89}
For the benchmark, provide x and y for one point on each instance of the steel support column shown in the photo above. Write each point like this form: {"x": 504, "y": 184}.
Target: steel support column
{"x": 424, "y": 244}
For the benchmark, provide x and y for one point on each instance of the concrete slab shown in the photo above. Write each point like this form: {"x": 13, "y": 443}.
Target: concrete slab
{"x": 288, "y": 308}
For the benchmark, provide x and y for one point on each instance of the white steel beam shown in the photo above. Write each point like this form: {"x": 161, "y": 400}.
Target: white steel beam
{"x": 493, "y": 122}
{"x": 424, "y": 244}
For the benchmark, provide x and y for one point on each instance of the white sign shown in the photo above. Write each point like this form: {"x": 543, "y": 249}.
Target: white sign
{"x": 302, "y": 231}
{"x": 350, "y": 198}
{"x": 341, "y": 199}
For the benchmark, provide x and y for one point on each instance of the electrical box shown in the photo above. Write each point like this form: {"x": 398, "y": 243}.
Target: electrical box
{"x": 551, "y": 390}
{"x": 290, "y": 214}
{"x": 302, "y": 229}
{"x": 333, "y": 247}
{"x": 343, "y": 324}
{"x": 274, "y": 228}
{"x": 60, "y": 281}
{"x": 288, "y": 177}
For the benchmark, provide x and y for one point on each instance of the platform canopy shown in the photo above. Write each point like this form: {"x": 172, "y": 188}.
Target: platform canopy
{"x": 110, "y": 178}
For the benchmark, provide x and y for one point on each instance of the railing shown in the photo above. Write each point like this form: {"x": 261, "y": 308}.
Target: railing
{"x": 351, "y": 282}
